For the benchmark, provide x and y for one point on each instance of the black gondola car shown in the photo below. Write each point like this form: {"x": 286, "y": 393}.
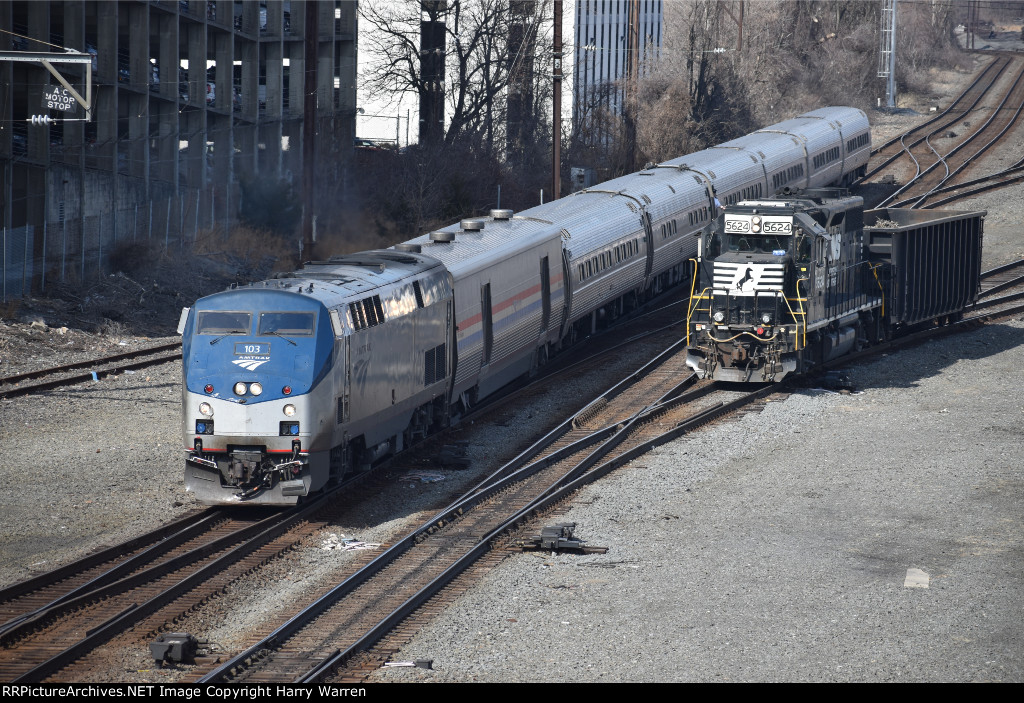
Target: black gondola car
{"x": 933, "y": 258}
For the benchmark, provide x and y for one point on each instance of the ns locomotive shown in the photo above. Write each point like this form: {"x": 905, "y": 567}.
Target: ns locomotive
{"x": 790, "y": 282}
{"x": 292, "y": 382}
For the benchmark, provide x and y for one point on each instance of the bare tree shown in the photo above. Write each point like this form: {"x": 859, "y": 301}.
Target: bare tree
{"x": 484, "y": 53}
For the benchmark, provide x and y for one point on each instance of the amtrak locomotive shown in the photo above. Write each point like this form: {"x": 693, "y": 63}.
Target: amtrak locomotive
{"x": 292, "y": 382}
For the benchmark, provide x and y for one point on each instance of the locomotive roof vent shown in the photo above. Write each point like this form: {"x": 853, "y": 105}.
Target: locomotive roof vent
{"x": 442, "y": 237}
{"x": 501, "y": 214}
{"x": 472, "y": 224}
{"x": 411, "y": 248}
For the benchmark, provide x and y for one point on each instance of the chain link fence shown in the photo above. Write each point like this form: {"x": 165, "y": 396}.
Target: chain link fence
{"x": 78, "y": 249}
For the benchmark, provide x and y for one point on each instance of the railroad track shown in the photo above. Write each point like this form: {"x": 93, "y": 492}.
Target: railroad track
{"x": 976, "y": 186}
{"x": 1000, "y": 280}
{"x": 939, "y": 171}
{"x": 900, "y": 146}
{"x": 307, "y": 649}
{"x": 381, "y": 598}
{"x": 969, "y": 150}
{"x": 91, "y": 607}
{"x": 49, "y": 623}
{"x": 28, "y": 598}
{"x": 650, "y": 407}
{"x": 600, "y": 437}
{"x": 96, "y": 369}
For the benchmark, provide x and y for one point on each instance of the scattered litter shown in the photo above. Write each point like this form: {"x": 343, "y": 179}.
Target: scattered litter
{"x": 95, "y": 378}
{"x": 421, "y": 476}
{"x": 129, "y": 372}
{"x": 421, "y": 663}
{"x": 122, "y": 344}
{"x": 916, "y": 579}
{"x": 345, "y": 544}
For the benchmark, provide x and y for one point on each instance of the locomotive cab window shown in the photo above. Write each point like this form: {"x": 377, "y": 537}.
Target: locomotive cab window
{"x": 287, "y": 323}
{"x": 756, "y": 244}
{"x": 222, "y": 322}
{"x": 714, "y": 244}
{"x": 802, "y": 248}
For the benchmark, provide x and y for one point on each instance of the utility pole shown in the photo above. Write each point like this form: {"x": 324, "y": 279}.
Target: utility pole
{"x": 432, "y": 60}
{"x": 309, "y": 122}
{"x": 556, "y": 110}
{"x": 972, "y": 21}
{"x": 887, "y": 51}
{"x": 632, "y": 79}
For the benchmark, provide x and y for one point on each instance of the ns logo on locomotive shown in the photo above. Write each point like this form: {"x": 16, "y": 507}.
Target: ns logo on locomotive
{"x": 291, "y": 383}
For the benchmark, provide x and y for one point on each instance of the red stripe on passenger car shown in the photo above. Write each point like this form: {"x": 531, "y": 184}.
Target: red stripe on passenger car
{"x": 474, "y": 319}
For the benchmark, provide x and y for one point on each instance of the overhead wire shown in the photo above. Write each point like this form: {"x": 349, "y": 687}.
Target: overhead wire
{"x": 40, "y": 41}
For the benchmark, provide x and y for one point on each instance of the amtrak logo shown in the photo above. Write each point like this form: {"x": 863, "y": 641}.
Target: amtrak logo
{"x": 250, "y": 364}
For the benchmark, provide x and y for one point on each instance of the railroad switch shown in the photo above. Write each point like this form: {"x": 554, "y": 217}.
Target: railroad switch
{"x": 554, "y": 538}
{"x": 174, "y": 646}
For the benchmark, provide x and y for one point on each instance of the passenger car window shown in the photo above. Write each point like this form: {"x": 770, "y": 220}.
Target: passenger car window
{"x": 286, "y": 323}
{"x": 223, "y": 322}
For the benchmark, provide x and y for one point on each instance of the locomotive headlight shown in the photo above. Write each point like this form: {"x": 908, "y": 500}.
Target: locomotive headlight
{"x": 289, "y": 410}
{"x": 756, "y": 220}
{"x": 255, "y": 388}
{"x": 205, "y": 409}
{"x": 766, "y": 318}
{"x": 239, "y": 388}
{"x": 719, "y": 316}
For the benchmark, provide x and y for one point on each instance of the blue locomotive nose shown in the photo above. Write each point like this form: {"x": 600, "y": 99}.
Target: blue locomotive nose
{"x": 253, "y": 346}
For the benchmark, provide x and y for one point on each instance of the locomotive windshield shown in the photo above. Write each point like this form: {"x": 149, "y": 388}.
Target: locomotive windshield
{"x": 223, "y": 322}
{"x": 287, "y": 323}
{"x": 756, "y": 244}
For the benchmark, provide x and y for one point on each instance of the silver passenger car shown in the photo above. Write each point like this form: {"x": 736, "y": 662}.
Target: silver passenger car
{"x": 507, "y": 276}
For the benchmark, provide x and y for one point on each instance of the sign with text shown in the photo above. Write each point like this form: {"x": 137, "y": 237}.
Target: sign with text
{"x": 58, "y": 98}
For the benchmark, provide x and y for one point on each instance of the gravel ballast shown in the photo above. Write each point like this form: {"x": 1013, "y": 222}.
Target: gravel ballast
{"x": 773, "y": 547}
{"x": 777, "y": 547}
